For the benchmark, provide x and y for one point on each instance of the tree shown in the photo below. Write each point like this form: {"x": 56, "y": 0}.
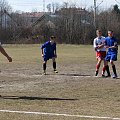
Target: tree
{"x": 49, "y": 8}
{"x": 116, "y": 9}
{"x": 4, "y": 8}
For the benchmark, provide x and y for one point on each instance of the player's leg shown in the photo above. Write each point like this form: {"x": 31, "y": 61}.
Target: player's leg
{"x": 114, "y": 69}
{"x": 54, "y": 65}
{"x": 107, "y": 69}
{"x": 99, "y": 60}
{"x": 44, "y": 65}
{"x": 113, "y": 58}
{"x": 103, "y": 69}
{"x": 107, "y": 59}
{"x": 103, "y": 55}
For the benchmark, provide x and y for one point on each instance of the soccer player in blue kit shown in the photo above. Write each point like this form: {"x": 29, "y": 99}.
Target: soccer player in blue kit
{"x": 111, "y": 44}
{"x": 49, "y": 52}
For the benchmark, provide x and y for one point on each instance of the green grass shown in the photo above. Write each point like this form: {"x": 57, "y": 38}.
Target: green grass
{"x": 69, "y": 92}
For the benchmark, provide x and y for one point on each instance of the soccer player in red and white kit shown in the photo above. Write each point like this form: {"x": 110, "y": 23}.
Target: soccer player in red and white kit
{"x": 98, "y": 44}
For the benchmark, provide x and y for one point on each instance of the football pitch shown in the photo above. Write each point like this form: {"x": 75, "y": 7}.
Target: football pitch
{"x": 71, "y": 94}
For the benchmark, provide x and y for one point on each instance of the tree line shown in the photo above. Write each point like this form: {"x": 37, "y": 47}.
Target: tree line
{"x": 70, "y": 24}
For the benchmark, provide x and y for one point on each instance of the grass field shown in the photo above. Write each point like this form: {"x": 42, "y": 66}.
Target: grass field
{"x": 73, "y": 91}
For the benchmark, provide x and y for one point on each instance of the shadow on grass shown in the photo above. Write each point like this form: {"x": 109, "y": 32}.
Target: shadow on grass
{"x": 84, "y": 75}
{"x": 81, "y": 75}
{"x": 71, "y": 74}
{"x": 35, "y": 98}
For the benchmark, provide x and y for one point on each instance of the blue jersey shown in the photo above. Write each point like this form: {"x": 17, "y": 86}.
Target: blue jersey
{"x": 111, "y": 41}
{"x": 49, "y": 50}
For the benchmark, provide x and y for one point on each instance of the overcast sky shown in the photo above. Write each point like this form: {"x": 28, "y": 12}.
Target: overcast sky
{"x": 30, "y": 5}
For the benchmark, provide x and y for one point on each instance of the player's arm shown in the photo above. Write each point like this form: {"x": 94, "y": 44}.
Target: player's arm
{"x": 42, "y": 53}
{"x": 100, "y": 46}
{"x": 55, "y": 52}
{"x": 95, "y": 45}
{"x": 115, "y": 46}
{"x": 42, "y": 49}
{"x": 5, "y": 54}
{"x": 106, "y": 45}
{"x": 112, "y": 46}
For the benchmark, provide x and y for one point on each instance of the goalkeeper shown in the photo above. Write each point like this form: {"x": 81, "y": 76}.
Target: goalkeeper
{"x": 49, "y": 52}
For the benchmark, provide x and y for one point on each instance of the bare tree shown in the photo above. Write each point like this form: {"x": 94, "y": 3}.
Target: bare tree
{"x": 49, "y": 8}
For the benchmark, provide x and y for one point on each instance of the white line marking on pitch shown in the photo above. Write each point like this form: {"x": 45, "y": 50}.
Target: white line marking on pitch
{"x": 21, "y": 75}
{"x": 40, "y": 75}
{"x": 32, "y": 76}
{"x": 57, "y": 114}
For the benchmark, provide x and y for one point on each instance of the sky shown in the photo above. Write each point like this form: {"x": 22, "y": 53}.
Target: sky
{"x": 37, "y": 5}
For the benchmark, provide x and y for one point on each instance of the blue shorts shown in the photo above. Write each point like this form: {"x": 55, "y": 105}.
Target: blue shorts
{"x": 47, "y": 57}
{"x": 111, "y": 56}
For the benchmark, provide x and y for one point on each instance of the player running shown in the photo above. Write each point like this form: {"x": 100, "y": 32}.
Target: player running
{"x": 5, "y": 54}
{"x": 49, "y": 52}
{"x": 111, "y": 44}
{"x": 98, "y": 44}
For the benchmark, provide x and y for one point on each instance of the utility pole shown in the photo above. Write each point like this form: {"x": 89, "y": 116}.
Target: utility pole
{"x": 95, "y": 13}
{"x": 1, "y": 17}
{"x": 44, "y": 6}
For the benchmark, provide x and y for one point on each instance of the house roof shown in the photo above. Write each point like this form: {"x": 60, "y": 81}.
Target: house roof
{"x": 33, "y": 14}
{"x": 49, "y": 19}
